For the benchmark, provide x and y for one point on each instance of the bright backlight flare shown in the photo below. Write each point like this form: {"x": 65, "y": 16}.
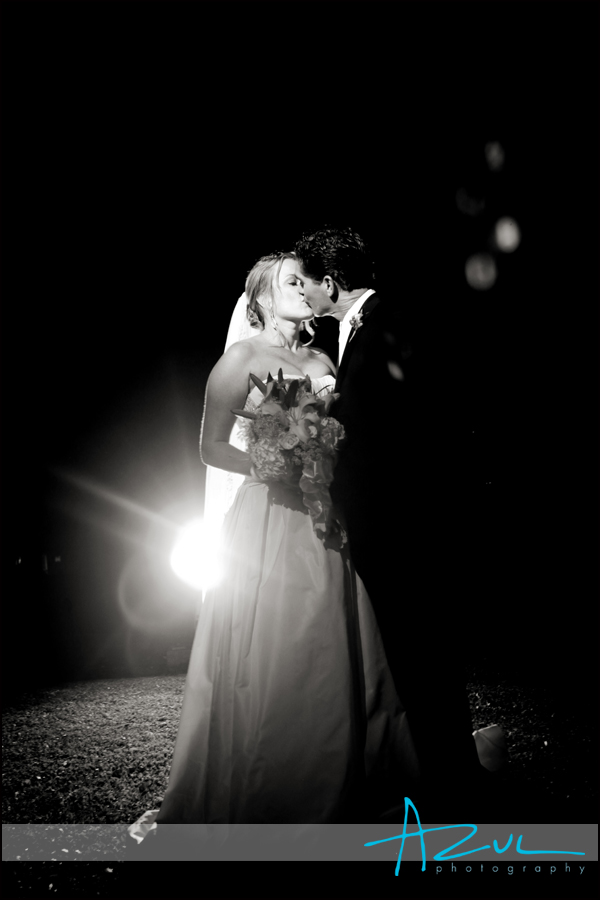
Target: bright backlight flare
{"x": 195, "y": 556}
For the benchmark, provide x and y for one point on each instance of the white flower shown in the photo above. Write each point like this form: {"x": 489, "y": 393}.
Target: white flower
{"x": 288, "y": 440}
{"x": 356, "y": 323}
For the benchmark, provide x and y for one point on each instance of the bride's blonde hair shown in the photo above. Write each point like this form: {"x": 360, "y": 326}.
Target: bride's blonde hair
{"x": 261, "y": 284}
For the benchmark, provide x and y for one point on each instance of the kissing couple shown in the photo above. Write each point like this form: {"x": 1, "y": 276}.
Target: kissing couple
{"x": 324, "y": 683}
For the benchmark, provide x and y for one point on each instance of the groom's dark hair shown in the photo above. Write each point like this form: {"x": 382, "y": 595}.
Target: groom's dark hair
{"x": 338, "y": 252}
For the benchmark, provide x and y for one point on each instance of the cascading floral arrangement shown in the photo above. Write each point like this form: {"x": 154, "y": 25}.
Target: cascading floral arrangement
{"x": 291, "y": 439}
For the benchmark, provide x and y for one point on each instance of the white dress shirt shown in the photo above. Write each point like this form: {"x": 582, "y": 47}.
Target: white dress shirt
{"x": 345, "y": 326}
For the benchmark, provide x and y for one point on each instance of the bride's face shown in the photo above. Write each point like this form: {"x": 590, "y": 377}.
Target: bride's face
{"x": 289, "y": 294}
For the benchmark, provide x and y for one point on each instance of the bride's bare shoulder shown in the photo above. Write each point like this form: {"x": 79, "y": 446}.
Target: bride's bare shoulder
{"x": 242, "y": 349}
{"x": 248, "y": 347}
{"x": 235, "y": 363}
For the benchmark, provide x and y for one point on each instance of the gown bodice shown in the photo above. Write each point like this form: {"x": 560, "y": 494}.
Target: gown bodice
{"x": 221, "y": 485}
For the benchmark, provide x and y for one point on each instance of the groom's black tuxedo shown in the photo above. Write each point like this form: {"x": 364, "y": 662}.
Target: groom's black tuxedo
{"x": 398, "y": 484}
{"x": 401, "y": 462}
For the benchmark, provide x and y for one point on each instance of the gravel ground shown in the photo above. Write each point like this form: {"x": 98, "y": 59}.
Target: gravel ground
{"x": 100, "y": 751}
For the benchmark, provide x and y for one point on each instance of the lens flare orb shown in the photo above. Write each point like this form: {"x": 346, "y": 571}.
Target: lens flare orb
{"x": 480, "y": 271}
{"x": 495, "y": 155}
{"x": 507, "y": 234}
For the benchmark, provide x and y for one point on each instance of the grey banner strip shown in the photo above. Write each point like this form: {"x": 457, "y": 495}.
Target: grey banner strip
{"x": 569, "y": 845}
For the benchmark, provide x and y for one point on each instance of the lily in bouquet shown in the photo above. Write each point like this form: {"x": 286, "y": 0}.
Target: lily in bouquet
{"x": 292, "y": 439}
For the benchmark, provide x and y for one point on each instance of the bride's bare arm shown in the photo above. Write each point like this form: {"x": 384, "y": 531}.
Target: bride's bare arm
{"x": 226, "y": 389}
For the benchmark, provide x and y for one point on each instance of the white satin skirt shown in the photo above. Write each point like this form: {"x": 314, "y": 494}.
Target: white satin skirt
{"x": 288, "y": 695}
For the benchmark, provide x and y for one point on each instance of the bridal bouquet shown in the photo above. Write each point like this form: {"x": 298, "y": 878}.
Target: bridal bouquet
{"x": 291, "y": 439}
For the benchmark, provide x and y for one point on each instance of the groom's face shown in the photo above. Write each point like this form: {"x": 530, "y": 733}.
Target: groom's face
{"x": 317, "y": 293}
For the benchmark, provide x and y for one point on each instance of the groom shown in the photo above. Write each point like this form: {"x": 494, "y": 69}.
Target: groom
{"x": 395, "y": 485}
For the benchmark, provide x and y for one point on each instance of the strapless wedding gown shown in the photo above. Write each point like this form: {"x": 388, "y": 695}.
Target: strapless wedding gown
{"x": 287, "y": 662}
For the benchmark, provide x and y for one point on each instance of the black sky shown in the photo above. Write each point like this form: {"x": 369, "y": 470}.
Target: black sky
{"x": 152, "y": 151}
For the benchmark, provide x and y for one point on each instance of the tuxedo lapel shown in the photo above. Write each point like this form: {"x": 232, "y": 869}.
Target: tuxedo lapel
{"x": 365, "y": 312}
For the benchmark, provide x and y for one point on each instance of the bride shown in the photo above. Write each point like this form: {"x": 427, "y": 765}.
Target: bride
{"x": 289, "y": 712}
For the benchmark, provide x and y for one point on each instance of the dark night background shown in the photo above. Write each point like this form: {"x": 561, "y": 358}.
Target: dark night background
{"x": 152, "y": 152}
